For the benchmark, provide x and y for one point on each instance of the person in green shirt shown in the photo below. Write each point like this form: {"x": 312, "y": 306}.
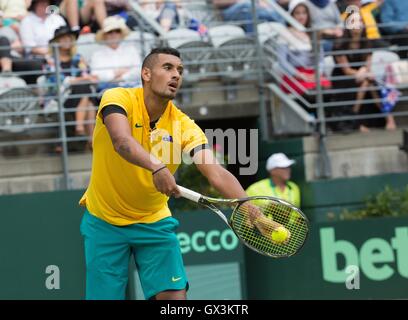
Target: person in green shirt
{"x": 278, "y": 184}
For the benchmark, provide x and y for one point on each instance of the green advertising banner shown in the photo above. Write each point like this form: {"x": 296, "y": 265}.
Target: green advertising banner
{"x": 366, "y": 259}
{"x": 204, "y": 238}
{"x": 41, "y": 255}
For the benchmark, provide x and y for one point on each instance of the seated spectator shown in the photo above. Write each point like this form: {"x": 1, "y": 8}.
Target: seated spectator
{"x": 81, "y": 13}
{"x": 93, "y": 12}
{"x": 75, "y": 80}
{"x": 238, "y": 10}
{"x": 298, "y": 63}
{"x": 38, "y": 28}
{"x": 278, "y": 183}
{"x": 357, "y": 67}
{"x": 394, "y": 16}
{"x": 117, "y": 63}
{"x": 343, "y": 4}
{"x": 12, "y": 36}
{"x": 120, "y": 8}
{"x": 173, "y": 14}
{"x": 325, "y": 16}
{"x": 5, "y": 57}
{"x": 166, "y": 13}
{"x": 367, "y": 9}
{"x": 11, "y": 55}
{"x": 13, "y": 12}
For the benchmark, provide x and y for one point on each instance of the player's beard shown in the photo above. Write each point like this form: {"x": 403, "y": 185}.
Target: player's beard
{"x": 166, "y": 94}
{"x": 169, "y": 96}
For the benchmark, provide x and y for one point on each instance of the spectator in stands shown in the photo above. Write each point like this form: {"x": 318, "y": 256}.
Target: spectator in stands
{"x": 93, "y": 12}
{"x": 238, "y": 10}
{"x": 38, "y": 27}
{"x": 82, "y": 12}
{"x": 278, "y": 183}
{"x": 343, "y": 4}
{"x": 9, "y": 32}
{"x": 121, "y": 8}
{"x": 11, "y": 55}
{"x": 75, "y": 80}
{"x": 394, "y": 16}
{"x": 356, "y": 65}
{"x": 13, "y": 12}
{"x": 166, "y": 13}
{"x": 115, "y": 7}
{"x": 5, "y": 57}
{"x": 325, "y": 16}
{"x": 298, "y": 63}
{"x": 117, "y": 63}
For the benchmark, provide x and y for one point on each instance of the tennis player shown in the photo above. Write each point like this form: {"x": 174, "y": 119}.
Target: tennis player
{"x": 138, "y": 140}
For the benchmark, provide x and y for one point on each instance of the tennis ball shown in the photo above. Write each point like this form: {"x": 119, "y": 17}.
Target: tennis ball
{"x": 280, "y": 235}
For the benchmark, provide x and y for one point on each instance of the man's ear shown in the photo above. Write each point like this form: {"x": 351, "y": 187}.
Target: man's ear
{"x": 146, "y": 74}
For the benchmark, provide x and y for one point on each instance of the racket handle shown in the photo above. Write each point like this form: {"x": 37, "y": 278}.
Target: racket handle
{"x": 189, "y": 194}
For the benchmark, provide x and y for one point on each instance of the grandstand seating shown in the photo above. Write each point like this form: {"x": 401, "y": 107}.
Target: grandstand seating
{"x": 381, "y": 58}
{"x": 224, "y": 55}
{"x": 181, "y": 36}
{"x": 235, "y": 51}
{"x": 144, "y": 41}
{"x": 16, "y": 103}
{"x": 86, "y": 45}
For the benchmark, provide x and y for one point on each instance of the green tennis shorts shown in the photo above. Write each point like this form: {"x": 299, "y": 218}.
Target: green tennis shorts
{"x": 108, "y": 249}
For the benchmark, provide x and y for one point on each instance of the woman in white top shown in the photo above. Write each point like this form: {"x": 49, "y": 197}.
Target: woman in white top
{"x": 117, "y": 63}
{"x": 38, "y": 28}
{"x": 297, "y": 60}
{"x": 13, "y": 12}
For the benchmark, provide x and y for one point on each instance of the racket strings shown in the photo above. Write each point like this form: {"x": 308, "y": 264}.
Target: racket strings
{"x": 262, "y": 241}
{"x": 291, "y": 220}
{"x": 272, "y": 214}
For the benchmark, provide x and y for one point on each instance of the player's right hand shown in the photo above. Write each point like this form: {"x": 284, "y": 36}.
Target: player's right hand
{"x": 165, "y": 183}
{"x": 252, "y": 212}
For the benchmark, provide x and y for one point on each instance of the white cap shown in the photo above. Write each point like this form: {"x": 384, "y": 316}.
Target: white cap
{"x": 278, "y": 160}
{"x": 294, "y": 3}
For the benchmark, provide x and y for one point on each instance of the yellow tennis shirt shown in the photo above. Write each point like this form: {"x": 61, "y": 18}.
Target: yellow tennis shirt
{"x": 122, "y": 193}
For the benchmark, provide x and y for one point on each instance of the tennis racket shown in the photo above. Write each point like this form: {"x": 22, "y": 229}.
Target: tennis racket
{"x": 267, "y": 225}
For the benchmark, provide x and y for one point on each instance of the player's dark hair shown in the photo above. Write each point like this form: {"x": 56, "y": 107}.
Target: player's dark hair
{"x": 151, "y": 58}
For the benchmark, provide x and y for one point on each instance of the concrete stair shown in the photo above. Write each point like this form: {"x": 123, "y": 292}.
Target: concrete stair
{"x": 358, "y": 154}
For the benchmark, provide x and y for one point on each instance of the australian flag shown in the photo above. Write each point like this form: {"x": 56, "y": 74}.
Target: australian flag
{"x": 389, "y": 98}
